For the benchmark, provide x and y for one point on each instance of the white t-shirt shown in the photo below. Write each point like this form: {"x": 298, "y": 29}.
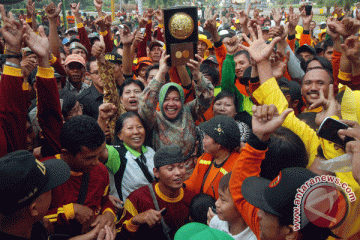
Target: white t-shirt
{"x": 216, "y": 223}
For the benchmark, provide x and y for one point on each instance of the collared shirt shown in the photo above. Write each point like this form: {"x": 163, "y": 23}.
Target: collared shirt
{"x": 69, "y": 87}
{"x": 91, "y": 99}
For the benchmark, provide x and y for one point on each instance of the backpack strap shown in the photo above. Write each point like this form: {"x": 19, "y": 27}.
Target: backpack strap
{"x": 118, "y": 176}
{"x": 166, "y": 228}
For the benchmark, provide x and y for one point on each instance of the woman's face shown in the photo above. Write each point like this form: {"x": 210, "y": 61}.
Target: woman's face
{"x": 209, "y": 145}
{"x": 133, "y": 133}
{"x": 130, "y": 96}
{"x": 172, "y": 104}
{"x": 224, "y": 106}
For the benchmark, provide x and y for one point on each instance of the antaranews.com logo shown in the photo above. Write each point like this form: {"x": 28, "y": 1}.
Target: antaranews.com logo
{"x": 322, "y": 201}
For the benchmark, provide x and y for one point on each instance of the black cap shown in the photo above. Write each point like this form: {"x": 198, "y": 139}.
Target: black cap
{"x": 168, "y": 155}
{"x": 290, "y": 87}
{"x": 306, "y": 48}
{"x": 224, "y": 130}
{"x": 113, "y": 57}
{"x": 74, "y": 38}
{"x": 23, "y": 179}
{"x": 279, "y": 196}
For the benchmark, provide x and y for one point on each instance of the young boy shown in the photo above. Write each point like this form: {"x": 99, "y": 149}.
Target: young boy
{"x": 227, "y": 217}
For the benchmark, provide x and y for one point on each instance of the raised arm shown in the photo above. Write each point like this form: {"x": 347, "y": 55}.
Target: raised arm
{"x": 52, "y": 11}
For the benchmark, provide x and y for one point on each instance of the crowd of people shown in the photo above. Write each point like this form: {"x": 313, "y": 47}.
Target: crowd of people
{"x": 101, "y": 139}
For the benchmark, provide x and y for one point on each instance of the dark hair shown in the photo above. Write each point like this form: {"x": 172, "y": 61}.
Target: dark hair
{"x": 199, "y": 207}
{"x": 246, "y": 53}
{"x": 266, "y": 20}
{"x": 206, "y": 69}
{"x": 81, "y": 131}
{"x": 120, "y": 122}
{"x": 285, "y": 150}
{"x": 69, "y": 101}
{"x": 326, "y": 64}
{"x": 151, "y": 67}
{"x": 328, "y": 43}
{"x": 91, "y": 59}
{"x": 224, "y": 94}
{"x": 308, "y": 118}
{"x": 224, "y": 182}
{"x": 129, "y": 81}
{"x": 329, "y": 73}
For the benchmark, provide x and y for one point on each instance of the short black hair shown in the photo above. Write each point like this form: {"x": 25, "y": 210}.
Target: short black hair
{"x": 326, "y": 64}
{"x": 120, "y": 121}
{"x": 129, "y": 81}
{"x": 224, "y": 182}
{"x": 151, "y": 67}
{"x": 199, "y": 207}
{"x": 206, "y": 69}
{"x": 328, "y": 43}
{"x": 69, "y": 101}
{"x": 81, "y": 131}
{"x": 246, "y": 53}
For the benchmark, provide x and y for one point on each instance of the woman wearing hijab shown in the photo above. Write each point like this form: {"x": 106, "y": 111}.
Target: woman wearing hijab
{"x": 175, "y": 123}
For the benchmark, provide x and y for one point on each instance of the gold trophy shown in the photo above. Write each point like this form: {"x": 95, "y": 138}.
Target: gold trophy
{"x": 181, "y": 34}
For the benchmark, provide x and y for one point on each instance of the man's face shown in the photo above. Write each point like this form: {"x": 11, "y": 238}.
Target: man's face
{"x": 306, "y": 56}
{"x": 95, "y": 76}
{"x": 86, "y": 159}
{"x": 155, "y": 53}
{"x": 328, "y": 53}
{"x": 75, "y": 71}
{"x": 202, "y": 46}
{"x": 67, "y": 48}
{"x": 151, "y": 75}
{"x": 171, "y": 176}
{"x": 270, "y": 228}
{"x": 314, "y": 81}
{"x": 267, "y": 24}
{"x": 312, "y": 25}
{"x": 142, "y": 71}
{"x": 242, "y": 63}
{"x": 79, "y": 51}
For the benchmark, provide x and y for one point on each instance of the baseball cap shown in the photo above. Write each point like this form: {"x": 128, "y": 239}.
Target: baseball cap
{"x": 74, "y": 39}
{"x": 75, "y": 58}
{"x": 211, "y": 59}
{"x": 75, "y": 45}
{"x": 65, "y": 41}
{"x": 225, "y": 33}
{"x": 277, "y": 197}
{"x": 224, "y": 130}
{"x": 290, "y": 87}
{"x": 197, "y": 231}
{"x": 143, "y": 60}
{"x": 113, "y": 57}
{"x": 155, "y": 43}
{"x": 306, "y": 48}
{"x": 23, "y": 179}
{"x": 71, "y": 30}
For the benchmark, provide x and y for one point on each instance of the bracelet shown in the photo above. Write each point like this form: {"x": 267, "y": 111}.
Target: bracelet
{"x": 10, "y": 51}
{"x": 10, "y": 55}
{"x": 10, "y": 64}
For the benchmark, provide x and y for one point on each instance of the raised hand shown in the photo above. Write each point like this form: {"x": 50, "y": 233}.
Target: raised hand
{"x": 279, "y": 64}
{"x": 195, "y": 67}
{"x": 30, "y": 9}
{"x": 98, "y": 5}
{"x": 258, "y": 49}
{"x": 243, "y": 18}
{"x": 27, "y": 65}
{"x": 210, "y": 25}
{"x": 138, "y": 38}
{"x": 100, "y": 22}
{"x": 346, "y": 27}
{"x": 39, "y": 45}
{"x": 256, "y": 13}
{"x": 330, "y": 28}
{"x": 106, "y": 111}
{"x": 306, "y": 19}
{"x": 351, "y": 47}
{"x": 12, "y": 31}
{"x": 266, "y": 120}
{"x": 126, "y": 36}
{"x": 52, "y": 11}
{"x": 163, "y": 66}
{"x": 159, "y": 16}
{"x": 98, "y": 49}
{"x": 231, "y": 44}
{"x": 75, "y": 8}
{"x": 329, "y": 105}
{"x": 276, "y": 16}
{"x": 293, "y": 20}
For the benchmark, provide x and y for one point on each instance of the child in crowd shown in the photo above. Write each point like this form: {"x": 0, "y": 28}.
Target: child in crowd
{"x": 227, "y": 217}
